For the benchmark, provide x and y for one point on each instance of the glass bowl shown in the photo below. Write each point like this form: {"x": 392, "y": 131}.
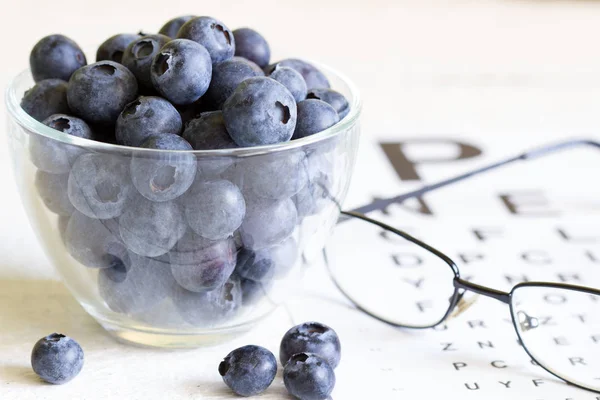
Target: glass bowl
{"x": 168, "y": 273}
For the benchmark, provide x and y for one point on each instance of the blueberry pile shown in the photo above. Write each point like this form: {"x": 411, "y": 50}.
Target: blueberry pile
{"x": 309, "y": 353}
{"x": 143, "y": 85}
{"x": 208, "y": 235}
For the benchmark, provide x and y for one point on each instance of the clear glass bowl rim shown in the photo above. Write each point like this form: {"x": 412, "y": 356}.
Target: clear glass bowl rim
{"x": 13, "y": 104}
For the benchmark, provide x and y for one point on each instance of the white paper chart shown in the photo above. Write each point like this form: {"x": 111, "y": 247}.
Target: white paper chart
{"x": 534, "y": 221}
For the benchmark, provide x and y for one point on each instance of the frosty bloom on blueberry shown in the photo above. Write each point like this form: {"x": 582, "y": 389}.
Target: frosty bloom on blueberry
{"x": 139, "y": 54}
{"x": 212, "y": 34}
{"x": 181, "y": 71}
{"x": 311, "y": 337}
{"x": 55, "y": 57}
{"x": 146, "y": 116}
{"x": 308, "y": 377}
{"x": 57, "y": 358}
{"x": 98, "y": 92}
{"x": 249, "y": 370}
{"x": 261, "y": 111}
{"x": 171, "y": 27}
{"x": 114, "y": 47}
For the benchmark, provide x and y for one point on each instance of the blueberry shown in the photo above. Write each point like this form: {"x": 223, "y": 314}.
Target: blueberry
{"x": 202, "y": 265}
{"x": 214, "y": 209}
{"x": 212, "y": 34}
{"x": 135, "y": 286}
{"x": 274, "y": 176}
{"x": 139, "y": 54}
{"x": 47, "y": 97}
{"x": 114, "y": 47}
{"x": 255, "y": 265}
{"x": 260, "y": 111}
{"x": 311, "y": 337}
{"x": 226, "y": 76}
{"x": 248, "y": 370}
{"x": 190, "y": 111}
{"x": 314, "y": 116}
{"x": 209, "y": 308}
{"x": 308, "y": 377}
{"x": 181, "y": 71}
{"x": 70, "y": 125}
{"x": 263, "y": 264}
{"x": 292, "y": 80}
{"x": 171, "y": 27}
{"x": 333, "y": 98}
{"x": 146, "y": 116}
{"x": 55, "y": 57}
{"x": 316, "y": 195}
{"x": 163, "y": 176}
{"x": 253, "y": 291}
{"x": 313, "y": 77}
{"x": 251, "y": 45}
{"x": 207, "y": 132}
{"x": 268, "y": 222}
{"x": 93, "y": 242}
{"x": 53, "y": 156}
{"x": 98, "y": 92}
{"x": 57, "y": 358}
{"x": 151, "y": 229}
{"x": 99, "y": 185}
{"x": 52, "y": 189}
{"x": 259, "y": 71}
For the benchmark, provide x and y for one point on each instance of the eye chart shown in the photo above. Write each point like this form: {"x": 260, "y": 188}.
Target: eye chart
{"x": 532, "y": 221}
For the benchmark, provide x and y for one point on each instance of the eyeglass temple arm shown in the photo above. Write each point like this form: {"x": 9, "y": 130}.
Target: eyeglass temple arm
{"x": 381, "y": 204}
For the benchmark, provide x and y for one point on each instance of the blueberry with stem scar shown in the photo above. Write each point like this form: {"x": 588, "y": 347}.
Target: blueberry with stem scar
{"x": 144, "y": 117}
{"x": 212, "y": 34}
{"x": 248, "y": 370}
{"x": 181, "y": 71}
{"x": 139, "y": 54}
{"x": 260, "y": 111}
{"x": 98, "y": 92}
{"x": 163, "y": 176}
{"x": 57, "y": 358}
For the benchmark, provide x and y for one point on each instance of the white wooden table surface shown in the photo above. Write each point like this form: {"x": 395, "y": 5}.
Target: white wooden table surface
{"x": 495, "y": 71}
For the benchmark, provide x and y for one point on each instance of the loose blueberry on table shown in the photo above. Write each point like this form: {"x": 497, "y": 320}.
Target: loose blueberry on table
{"x": 311, "y": 337}
{"x": 249, "y": 370}
{"x": 207, "y": 235}
{"x": 57, "y": 358}
{"x": 308, "y": 377}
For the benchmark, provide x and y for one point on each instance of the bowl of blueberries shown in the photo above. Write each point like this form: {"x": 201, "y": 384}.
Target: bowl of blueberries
{"x": 181, "y": 183}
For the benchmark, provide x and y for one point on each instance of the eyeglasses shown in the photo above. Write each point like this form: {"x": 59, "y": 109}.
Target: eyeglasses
{"x": 407, "y": 283}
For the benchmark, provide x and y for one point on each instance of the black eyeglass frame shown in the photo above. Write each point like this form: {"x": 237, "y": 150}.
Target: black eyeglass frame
{"x": 462, "y": 286}
{"x": 466, "y": 286}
